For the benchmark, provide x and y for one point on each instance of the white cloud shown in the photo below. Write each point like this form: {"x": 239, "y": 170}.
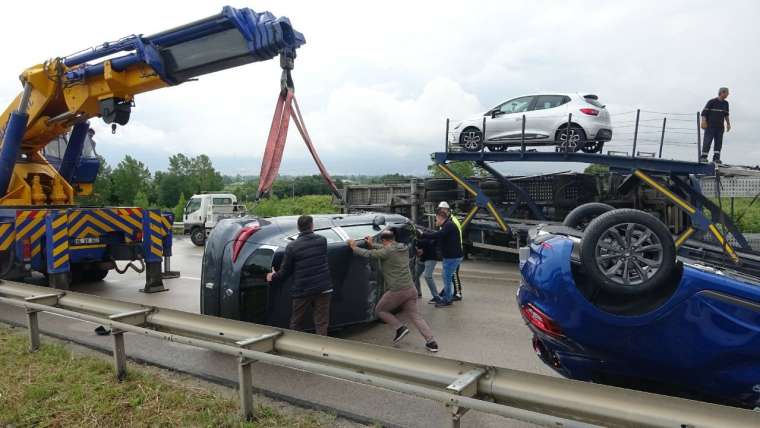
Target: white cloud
{"x": 379, "y": 78}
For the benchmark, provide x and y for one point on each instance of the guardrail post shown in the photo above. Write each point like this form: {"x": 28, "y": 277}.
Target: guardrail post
{"x": 119, "y": 354}
{"x": 34, "y": 329}
{"x": 245, "y": 382}
{"x": 446, "y": 138}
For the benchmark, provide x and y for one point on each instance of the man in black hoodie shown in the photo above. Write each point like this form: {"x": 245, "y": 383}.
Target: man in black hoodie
{"x": 451, "y": 250}
{"x": 306, "y": 259}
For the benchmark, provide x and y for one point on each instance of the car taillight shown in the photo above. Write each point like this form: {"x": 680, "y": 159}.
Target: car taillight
{"x": 590, "y": 111}
{"x": 242, "y": 236}
{"x": 26, "y": 246}
{"x": 540, "y": 320}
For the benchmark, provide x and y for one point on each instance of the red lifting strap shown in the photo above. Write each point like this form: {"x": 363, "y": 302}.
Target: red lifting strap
{"x": 278, "y": 134}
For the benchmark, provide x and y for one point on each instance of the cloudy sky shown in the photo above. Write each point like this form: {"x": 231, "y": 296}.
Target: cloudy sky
{"x": 376, "y": 80}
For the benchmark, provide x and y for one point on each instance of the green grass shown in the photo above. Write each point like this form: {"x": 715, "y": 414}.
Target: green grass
{"x": 309, "y": 204}
{"x": 750, "y": 215}
{"x": 54, "y": 388}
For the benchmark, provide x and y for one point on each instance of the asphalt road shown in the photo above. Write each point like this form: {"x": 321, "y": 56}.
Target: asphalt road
{"x": 485, "y": 327}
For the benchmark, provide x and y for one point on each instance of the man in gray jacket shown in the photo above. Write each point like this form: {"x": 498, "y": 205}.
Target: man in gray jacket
{"x": 400, "y": 291}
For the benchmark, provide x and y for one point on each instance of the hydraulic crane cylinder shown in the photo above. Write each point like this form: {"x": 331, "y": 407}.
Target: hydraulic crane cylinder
{"x": 73, "y": 151}
{"x": 14, "y": 133}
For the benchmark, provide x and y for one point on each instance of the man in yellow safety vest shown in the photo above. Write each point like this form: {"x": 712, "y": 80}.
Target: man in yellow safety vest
{"x": 444, "y": 208}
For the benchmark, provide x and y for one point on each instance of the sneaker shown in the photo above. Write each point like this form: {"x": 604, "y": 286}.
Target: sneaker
{"x": 432, "y": 346}
{"x": 457, "y": 297}
{"x": 717, "y": 161}
{"x": 401, "y": 333}
{"x": 703, "y": 159}
{"x": 434, "y": 300}
{"x": 442, "y": 304}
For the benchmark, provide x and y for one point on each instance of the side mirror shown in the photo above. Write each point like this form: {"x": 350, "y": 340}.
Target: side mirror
{"x": 378, "y": 221}
{"x": 496, "y": 113}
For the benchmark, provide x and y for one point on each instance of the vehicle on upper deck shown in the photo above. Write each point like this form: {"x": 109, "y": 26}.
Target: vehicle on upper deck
{"x": 615, "y": 303}
{"x": 546, "y": 124}
{"x": 241, "y": 251}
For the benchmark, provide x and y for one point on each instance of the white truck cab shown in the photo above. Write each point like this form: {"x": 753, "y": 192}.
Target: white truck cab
{"x": 203, "y": 211}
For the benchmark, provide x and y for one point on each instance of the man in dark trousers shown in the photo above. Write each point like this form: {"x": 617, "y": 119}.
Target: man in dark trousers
{"x": 450, "y": 241}
{"x": 306, "y": 260}
{"x": 714, "y": 115}
{"x": 399, "y": 287}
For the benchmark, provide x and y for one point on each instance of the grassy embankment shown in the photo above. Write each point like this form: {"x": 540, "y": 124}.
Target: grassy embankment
{"x": 53, "y": 387}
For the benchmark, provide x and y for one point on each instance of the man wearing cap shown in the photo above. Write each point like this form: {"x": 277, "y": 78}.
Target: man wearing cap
{"x": 446, "y": 209}
{"x": 450, "y": 241}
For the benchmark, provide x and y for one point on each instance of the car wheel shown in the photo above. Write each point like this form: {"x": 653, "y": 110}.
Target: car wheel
{"x": 498, "y": 148}
{"x": 582, "y": 215}
{"x": 441, "y": 195}
{"x": 471, "y": 139}
{"x": 628, "y": 252}
{"x": 576, "y": 140}
{"x": 440, "y": 184}
{"x": 593, "y": 147}
{"x": 198, "y": 236}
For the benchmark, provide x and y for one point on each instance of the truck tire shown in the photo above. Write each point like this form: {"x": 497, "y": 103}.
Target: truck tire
{"x": 490, "y": 185}
{"x": 582, "y": 215}
{"x": 441, "y": 195}
{"x": 628, "y": 252}
{"x": 198, "y": 236}
{"x": 440, "y": 184}
{"x": 84, "y": 274}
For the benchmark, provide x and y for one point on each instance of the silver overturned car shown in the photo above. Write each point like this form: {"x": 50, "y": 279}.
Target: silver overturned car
{"x": 240, "y": 252}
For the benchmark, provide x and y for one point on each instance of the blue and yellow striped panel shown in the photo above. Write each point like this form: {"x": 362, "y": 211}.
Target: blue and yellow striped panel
{"x": 94, "y": 222}
{"x": 7, "y": 235}
{"x": 30, "y": 224}
{"x": 57, "y": 240}
{"x": 157, "y": 233}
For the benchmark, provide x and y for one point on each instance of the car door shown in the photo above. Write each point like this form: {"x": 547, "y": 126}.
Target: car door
{"x": 541, "y": 120}
{"x": 504, "y": 124}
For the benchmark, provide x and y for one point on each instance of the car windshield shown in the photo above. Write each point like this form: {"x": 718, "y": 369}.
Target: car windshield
{"x": 192, "y": 205}
{"x": 359, "y": 231}
{"x": 593, "y": 101}
{"x": 329, "y": 234}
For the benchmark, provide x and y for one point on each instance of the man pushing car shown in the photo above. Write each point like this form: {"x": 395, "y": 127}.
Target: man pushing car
{"x": 400, "y": 290}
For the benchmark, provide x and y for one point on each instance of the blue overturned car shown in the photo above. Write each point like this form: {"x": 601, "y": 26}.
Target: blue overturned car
{"x": 613, "y": 301}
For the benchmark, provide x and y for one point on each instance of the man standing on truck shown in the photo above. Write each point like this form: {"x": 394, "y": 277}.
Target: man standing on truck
{"x": 306, "y": 259}
{"x": 714, "y": 115}
{"x": 400, "y": 291}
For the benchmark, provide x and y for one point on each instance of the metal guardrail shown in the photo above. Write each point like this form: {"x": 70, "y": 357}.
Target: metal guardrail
{"x": 458, "y": 385}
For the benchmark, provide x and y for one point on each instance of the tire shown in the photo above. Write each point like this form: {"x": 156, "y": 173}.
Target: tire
{"x": 441, "y": 195}
{"x": 497, "y": 148}
{"x": 628, "y": 252}
{"x": 577, "y": 138}
{"x": 582, "y": 215}
{"x": 198, "y": 236}
{"x": 83, "y": 274}
{"x": 471, "y": 139}
{"x": 593, "y": 147}
{"x": 440, "y": 184}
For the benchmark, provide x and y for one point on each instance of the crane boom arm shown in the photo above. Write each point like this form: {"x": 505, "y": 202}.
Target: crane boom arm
{"x": 103, "y": 81}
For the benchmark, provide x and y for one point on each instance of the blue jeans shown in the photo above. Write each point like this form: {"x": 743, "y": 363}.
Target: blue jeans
{"x": 449, "y": 268}
{"x": 426, "y": 269}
